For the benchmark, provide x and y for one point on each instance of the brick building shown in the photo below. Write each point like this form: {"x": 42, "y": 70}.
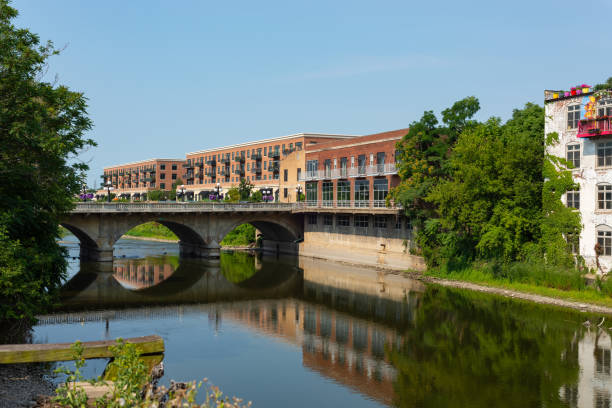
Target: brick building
{"x": 133, "y": 180}
{"x": 352, "y": 173}
{"x": 276, "y": 164}
{"x": 583, "y": 120}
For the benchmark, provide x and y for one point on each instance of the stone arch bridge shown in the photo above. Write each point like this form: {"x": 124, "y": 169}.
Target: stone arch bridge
{"x": 200, "y": 227}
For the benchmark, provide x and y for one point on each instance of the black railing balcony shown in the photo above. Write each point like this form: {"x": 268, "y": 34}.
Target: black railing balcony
{"x": 274, "y": 153}
{"x": 256, "y": 169}
{"x": 189, "y": 176}
{"x": 225, "y": 159}
{"x": 256, "y": 156}
{"x": 274, "y": 168}
{"x": 239, "y": 171}
{"x": 288, "y": 151}
{"x": 211, "y": 162}
{"x": 188, "y": 166}
{"x": 239, "y": 158}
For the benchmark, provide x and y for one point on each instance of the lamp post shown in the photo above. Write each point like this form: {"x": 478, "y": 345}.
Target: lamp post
{"x": 298, "y": 190}
{"x": 84, "y": 192}
{"x": 182, "y": 190}
{"x": 109, "y": 187}
{"x": 218, "y": 191}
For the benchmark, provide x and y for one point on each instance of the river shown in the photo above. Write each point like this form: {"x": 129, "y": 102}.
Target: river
{"x": 288, "y": 331}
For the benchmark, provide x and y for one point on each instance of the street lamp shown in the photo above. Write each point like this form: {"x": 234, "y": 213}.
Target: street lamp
{"x": 182, "y": 190}
{"x": 218, "y": 191}
{"x": 298, "y": 190}
{"x": 84, "y": 192}
{"x": 109, "y": 187}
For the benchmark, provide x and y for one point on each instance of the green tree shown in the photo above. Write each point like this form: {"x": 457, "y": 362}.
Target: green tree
{"x": 244, "y": 189}
{"x": 42, "y": 128}
{"x": 605, "y": 85}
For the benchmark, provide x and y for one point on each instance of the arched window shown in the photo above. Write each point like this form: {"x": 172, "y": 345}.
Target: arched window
{"x": 604, "y": 239}
{"x": 572, "y": 154}
{"x": 604, "y": 196}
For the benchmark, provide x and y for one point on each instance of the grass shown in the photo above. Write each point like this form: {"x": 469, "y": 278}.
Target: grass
{"x": 534, "y": 279}
{"x": 152, "y": 230}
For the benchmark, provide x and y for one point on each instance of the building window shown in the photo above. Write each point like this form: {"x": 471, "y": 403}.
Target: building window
{"x": 162, "y": 176}
{"x": 604, "y": 154}
{"x": 162, "y": 167}
{"x": 343, "y": 166}
{"x": 573, "y": 199}
{"x": 398, "y": 223}
{"x": 285, "y": 175}
{"x": 174, "y": 167}
{"x": 380, "y": 221}
{"x": 311, "y": 192}
{"x": 361, "y": 165}
{"x": 362, "y": 193}
{"x": 312, "y": 219}
{"x": 285, "y": 192}
{"x": 573, "y": 243}
{"x": 573, "y": 155}
{"x": 604, "y": 240}
{"x": 361, "y": 221}
{"x": 328, "y": 219}
{"x": 343, "y": 220}
{"x": 604, "y": 197}
{"x": 381, "y": 189}
{"x": 299, "y": 174}
{"x": 573, "y": 116}
{"x": 604, "y": 107}
{"x": 161, "y": 185}
{"x": 328, "y": 193}
{"x": 173, "y": 176}
{"x": 343, "y": 193}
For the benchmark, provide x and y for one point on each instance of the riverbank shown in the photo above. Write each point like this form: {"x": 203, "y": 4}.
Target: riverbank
{"x": 577, "y": 300}
{"x": 22, "y": 384}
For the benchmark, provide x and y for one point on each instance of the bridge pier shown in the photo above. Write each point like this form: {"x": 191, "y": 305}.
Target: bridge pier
{"x": 280, "y": 247}
{"x": 190, "y": 250}
{"x": 96, "y": 254}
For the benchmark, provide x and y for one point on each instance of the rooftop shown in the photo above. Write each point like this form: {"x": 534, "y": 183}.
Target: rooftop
{"x": 359, "y": 140}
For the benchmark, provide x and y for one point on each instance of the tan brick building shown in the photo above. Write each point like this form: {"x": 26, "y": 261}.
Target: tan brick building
{"x": 352, "y": 173}
{"x": 277, "y": 164}
{"x": 133, "y": 180}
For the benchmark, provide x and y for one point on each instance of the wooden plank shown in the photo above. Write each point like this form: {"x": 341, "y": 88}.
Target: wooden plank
{"x": 36, "y": 353}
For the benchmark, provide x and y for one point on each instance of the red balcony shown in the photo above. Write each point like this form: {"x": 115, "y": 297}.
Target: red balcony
{"x": 595, "y": 127}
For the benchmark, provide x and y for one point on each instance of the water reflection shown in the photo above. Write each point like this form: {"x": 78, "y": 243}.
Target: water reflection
{"x": 141, "y": 273}
{"x": 383, "y": 338}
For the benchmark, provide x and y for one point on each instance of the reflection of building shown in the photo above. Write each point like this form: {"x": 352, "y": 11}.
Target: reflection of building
{"x": 594, "y": 388}
{"x": 276, "y": 164}
{"x": 141, "y": 273}
{"x": 133, "y": 180}
{"x": 583, "y": 120}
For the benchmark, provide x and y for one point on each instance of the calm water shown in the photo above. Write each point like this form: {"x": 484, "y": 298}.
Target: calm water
{"x": 300, "y": 332}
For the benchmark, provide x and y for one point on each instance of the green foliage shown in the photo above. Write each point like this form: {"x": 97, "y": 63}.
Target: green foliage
{"x": 70, "y": 394}
{"x": 232, "y": 195}
{"x": 244, "y": 189}
{"x": 242, "y": 235}
{"x": 605, "y": 85}
{"x": 130, "y": 376}
{"x": 157, "y": 195}
{"x": 41, "y": 132}
{"x": 237, "y": 267}
{"x": 152, "y": 230}
{"x": 256, "y": 197}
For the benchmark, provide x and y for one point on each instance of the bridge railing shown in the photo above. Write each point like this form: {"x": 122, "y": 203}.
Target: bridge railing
{"x": 180, "y": 207}
{"x": 345, "y": 204}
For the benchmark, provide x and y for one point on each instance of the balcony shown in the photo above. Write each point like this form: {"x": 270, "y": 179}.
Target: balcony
{"x": 239, "y": 171}
{"x": 256, "y": 156}
{"x": 274, "y": 167}
{"x": 239, "y": 159}
{"x": 211, "y": 162}
{"x": 188, "y": 166}
{"x": 274, "y": 153}
{"x": 256, "y": 169}
{"x": 595, "y": 127}
{"x": 288, "y": 151}
{"x": 225, "y": 159}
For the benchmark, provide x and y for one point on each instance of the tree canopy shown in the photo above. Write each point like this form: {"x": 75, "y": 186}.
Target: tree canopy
{"x": 42, "y": 130}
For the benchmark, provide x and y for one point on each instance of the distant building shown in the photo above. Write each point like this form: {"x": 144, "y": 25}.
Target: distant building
{"x": 274, "y": 165}
{"x": 352, "y": 173}
{"x": 583, "y": 120}
{"x": 133, "y": 180}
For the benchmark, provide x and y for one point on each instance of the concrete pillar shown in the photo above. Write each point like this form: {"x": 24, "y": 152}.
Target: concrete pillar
{"x": 189, "y": 250}
{"x": 96, "y": 254}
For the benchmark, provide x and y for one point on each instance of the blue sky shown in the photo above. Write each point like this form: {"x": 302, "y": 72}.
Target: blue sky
{"x": 168, "y": 77}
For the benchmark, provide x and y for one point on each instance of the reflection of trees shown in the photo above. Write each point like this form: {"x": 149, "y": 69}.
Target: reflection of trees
{"x": 475, "y": 350}
{"x": 237, "y": 266}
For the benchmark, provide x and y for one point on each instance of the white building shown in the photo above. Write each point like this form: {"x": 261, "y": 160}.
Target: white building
{"x": 583, "y": 120}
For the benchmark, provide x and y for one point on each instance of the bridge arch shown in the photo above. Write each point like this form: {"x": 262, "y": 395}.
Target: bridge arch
{"x": 280, "y": 234}
{"x": 88, "y": 245}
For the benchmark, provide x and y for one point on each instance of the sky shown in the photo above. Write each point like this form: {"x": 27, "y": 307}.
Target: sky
{"x": 164, "y": 78}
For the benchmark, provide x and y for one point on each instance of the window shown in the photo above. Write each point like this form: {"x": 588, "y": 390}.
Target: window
{"x": 361, "y": 221}
{"x": 361, "y": 165}
{"x": 604, "y": 154}
{"x": 311, "y": 192}
{"x": 398, "y": 223}
{"x": 604, "y": 107}
{"x": 573, "y": 243}
{"x": 381, "y": 189}
{"x": 328, "y": 219}
{"x": 161, "y": 185}
{"x": 380, "y": 221}
{"x": 285, "y": 192}
{"x": 285, "y": 175}
{"x": 604, "y": 197}
{"x": 299, "y": 174}
{"x": 173, "y": 176}
{"x": 343, "y": 165}
{"x": 328, "y": 193}
{"x": 162, "y": 167}
{"x": 362, "y": 193}
{"x": 573, "y": 155}
{"x": 312, "y": 219}
{"x": 327, "y": 167}
{"x": 573, "y": 199}
{"x": 311, "y": 168}
{"x": 343, "y": 193}
{"x": 174, "y": 167}
{"x": 343, "y": 220}
{"x": 573, "y": 116}
{"x": 162, "y": 176}
{"x": 604, "y": 240}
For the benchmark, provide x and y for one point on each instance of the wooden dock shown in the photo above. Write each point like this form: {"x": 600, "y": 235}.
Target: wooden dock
{"x": 37, "y": 353}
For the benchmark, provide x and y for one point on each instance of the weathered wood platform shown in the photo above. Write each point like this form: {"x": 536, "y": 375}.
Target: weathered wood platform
{"x": 37, "y": 353}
